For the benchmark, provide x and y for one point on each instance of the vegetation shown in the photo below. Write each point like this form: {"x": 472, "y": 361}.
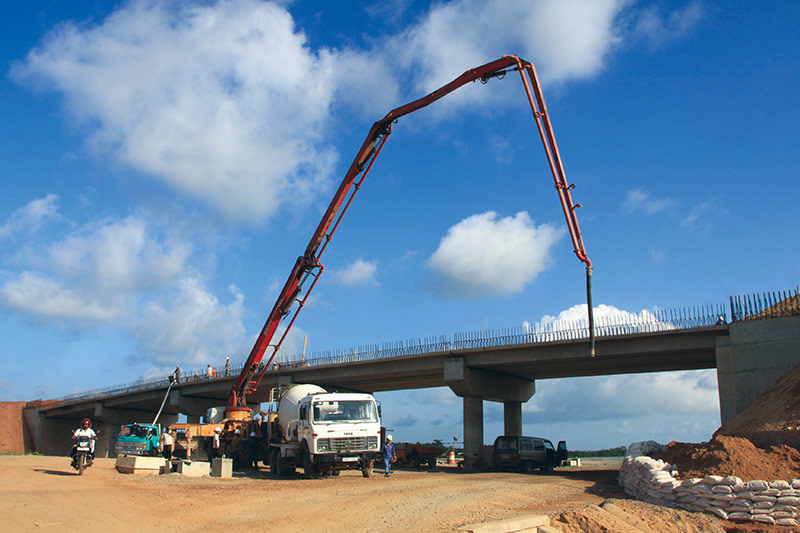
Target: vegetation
{"x": 619, "y": 451}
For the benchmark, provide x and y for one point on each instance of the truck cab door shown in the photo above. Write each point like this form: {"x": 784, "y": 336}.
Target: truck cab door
{"x": 303, "y": 425}
{"x": 561, "y": 451}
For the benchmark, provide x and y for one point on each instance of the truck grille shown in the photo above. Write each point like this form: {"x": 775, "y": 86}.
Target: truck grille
{"x": 347, "y": 444}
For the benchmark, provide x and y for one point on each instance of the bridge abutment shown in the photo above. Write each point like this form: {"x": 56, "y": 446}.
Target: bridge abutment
{"x": 474, "y": 386}
{"x": 754, "y": 355}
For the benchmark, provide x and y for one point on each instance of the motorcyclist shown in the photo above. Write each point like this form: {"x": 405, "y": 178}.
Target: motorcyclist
{"x": 84, "y": 431}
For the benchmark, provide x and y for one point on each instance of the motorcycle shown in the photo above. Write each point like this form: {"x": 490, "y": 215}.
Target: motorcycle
{"x": 82, "y": 458}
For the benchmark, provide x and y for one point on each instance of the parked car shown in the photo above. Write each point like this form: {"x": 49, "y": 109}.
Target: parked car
{"x": 526, "y": 453}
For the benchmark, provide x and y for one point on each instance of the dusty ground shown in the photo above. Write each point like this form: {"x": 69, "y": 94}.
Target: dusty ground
{"x": 42, "y": 493}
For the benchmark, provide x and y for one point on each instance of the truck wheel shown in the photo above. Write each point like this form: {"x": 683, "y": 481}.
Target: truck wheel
{"x": 432, "y": 463}
{"x": 527, "y": 467}
{"x": 273, "y": 463}
{"x": 309, "y": 468}
{"x": 334, "y": 473}
{"x": 366, "y": 470}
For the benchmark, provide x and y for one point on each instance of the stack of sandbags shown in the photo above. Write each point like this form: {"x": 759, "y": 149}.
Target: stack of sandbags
{"x": 649, "y": 480}
{"x": 653, "y": 481}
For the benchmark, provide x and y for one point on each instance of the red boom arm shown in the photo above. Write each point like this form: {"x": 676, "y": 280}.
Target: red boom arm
{"x": 308, "y": 264}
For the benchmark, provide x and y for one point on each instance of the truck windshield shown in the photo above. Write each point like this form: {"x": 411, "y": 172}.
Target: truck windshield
{"x": 345, "y": 411}
{"x": 133, "y": 431}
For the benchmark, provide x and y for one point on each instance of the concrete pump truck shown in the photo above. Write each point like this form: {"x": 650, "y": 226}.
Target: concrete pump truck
{"x": 289, "y": 439}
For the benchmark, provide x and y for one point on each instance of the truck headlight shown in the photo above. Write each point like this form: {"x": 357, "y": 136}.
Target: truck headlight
{"x": 324, "y": 445}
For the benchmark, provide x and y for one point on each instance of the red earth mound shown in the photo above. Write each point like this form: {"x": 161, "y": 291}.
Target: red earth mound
{"x": 732, "y": 456}
{"x": 12, "y": 437}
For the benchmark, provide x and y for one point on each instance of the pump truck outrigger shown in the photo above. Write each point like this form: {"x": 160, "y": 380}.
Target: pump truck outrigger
{"x": 308, "y": 265}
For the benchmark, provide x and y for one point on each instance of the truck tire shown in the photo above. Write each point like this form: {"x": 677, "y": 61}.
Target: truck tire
{"x": 274, "y": 469}
{"x": 527, "y": 467}
{"x": 366, "y": 469}
{"x": 432, "y": 463}
{"x": 310, "y": 469}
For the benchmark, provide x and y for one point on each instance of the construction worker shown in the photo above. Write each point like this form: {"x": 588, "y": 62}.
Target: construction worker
{"x": 166, "y": 443}
{"x": 216, "y": 444}
{"x": 227, "y": 366}
{"x": 252, "y": 450}
{"x": 387, "y": 452}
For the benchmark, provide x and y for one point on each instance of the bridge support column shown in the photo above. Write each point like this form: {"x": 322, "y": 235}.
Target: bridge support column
{"x": 475, "y": 385}
{"x": 512, "y": 418}
{"x": 473, "y": 430}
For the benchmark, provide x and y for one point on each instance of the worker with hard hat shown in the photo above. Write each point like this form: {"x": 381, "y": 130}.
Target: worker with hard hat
{"x": 387, "y": 452}
{"x": 216, "y": 445}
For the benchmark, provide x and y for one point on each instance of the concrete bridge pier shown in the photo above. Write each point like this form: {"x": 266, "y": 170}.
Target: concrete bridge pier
{"x": 474, "y": 386}
{"x": 512, "y": 418}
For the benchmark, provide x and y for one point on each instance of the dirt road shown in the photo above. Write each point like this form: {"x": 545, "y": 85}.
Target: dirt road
{"x": 42, "y": 493}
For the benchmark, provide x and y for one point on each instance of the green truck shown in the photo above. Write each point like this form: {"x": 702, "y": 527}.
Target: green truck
{"x": 138, "y": 439}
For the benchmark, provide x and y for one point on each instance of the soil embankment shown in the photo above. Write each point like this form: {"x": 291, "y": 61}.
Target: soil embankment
{"x": 12, "y": 437}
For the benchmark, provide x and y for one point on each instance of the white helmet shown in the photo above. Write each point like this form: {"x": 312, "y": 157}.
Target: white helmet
{"x": 388, "y": 437}
{"x": 217, "y": 430}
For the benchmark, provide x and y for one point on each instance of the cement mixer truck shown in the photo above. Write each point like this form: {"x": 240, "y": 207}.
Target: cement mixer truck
{"x": 321, "y": 432}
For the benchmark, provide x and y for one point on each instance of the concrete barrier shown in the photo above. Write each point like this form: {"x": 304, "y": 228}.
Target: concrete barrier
{"x": 133, "y": 464}
{"x": 221, "y": 467}
{"x": 193, "y": 468}
{"x": 523, "y": 523}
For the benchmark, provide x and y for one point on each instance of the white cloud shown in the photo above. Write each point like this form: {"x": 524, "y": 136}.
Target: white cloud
{"x": 119, "y": 255}
{"x": 224, "y": 102}
{"x": 638, "y": 200}
{"x": 604, "y": 316}
{"x": 227, "y": 103}
{"x": 656, "y": 255}
{"x": 189, "y": 325}
{"x": 359, "y": 272}
{"x": 96, "y": 272}
{"x": 696, "y": 214}
{"x": 484, "y": 255}
{"x": 36, "y": 294}
{"x": 406, "y": 420}
{"x": 31, "y": 216}
{"x": 658, "y": 30}
{"x": 135, "y": 272}
{"x": 565, "y": 39}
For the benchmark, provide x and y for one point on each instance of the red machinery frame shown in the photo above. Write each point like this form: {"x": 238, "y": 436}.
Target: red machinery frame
{"x": 308, "y": 265}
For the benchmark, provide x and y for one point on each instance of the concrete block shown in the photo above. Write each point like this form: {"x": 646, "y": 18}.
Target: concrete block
{"x": 548, "y": 529}
{"x": 133, "y": 464}
{"x": 221, "y": 467}
{"x": 193, "y": 468}
{"x": 523, "y": 523}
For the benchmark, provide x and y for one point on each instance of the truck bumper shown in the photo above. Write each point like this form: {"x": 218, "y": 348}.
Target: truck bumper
{"x": 344, "y": 461}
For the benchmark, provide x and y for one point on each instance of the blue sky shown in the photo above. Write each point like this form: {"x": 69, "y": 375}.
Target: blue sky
{"x": 164, "y": 163}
